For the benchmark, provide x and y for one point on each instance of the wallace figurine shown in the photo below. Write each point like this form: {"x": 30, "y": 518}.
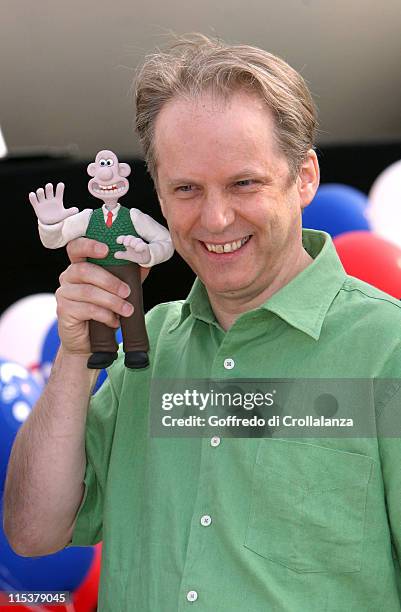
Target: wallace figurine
{"x": 133, "y": 237}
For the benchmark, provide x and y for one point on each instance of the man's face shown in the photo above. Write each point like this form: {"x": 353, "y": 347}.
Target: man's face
{"x": 224, "y": 187}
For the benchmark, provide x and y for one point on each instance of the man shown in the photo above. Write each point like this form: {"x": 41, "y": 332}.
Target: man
{"x": 221, "y": 523}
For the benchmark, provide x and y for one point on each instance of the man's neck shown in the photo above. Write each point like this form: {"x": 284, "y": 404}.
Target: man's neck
{"x": 227, "y": 309}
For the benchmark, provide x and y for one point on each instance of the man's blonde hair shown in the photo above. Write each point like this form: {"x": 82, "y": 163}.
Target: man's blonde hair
{"x": 194, "y": 63}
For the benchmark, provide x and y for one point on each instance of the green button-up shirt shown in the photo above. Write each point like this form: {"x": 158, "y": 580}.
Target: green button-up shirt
{"x": 224, "y": 524}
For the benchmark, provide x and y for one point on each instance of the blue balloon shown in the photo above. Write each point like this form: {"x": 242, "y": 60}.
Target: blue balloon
{"x": 337, "y": 209}
{"x": 62, "y": 571}
{"x": 49, "y": 351}
{"x": 19, "y": 391}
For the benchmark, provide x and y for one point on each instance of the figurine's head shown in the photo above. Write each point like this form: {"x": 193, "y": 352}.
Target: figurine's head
{"x": 109, "y": 182}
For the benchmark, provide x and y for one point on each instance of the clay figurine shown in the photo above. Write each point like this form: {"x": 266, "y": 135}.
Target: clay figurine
{"x": 144, "y": 242}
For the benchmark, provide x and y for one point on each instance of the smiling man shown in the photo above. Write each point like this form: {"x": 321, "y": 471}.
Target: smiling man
{"x": 221, "y": 523}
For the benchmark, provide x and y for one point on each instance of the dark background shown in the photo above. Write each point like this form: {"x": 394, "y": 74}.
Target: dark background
{"x": 31, "y": 268}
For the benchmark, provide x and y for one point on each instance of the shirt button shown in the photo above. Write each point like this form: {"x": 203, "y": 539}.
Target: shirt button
{"x": 192, "y": 596}
{"x": 206, "y": 520}
{"x": 215, "y": 441}
{"x": 229, "y": 364}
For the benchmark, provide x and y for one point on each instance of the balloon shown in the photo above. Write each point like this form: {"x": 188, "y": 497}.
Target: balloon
{"x": 337, "y": 209}
{"x": 49, "y": 351}
{"x": 23, "y": 327}
{"x": 384, "y": 207}
{"x": 371, "y": 259}
{"x": 62, "y": 571}
{"x": 19, "y": 391}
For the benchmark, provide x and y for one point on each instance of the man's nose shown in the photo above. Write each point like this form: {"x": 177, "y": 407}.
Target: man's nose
{"x": 105, "y": 174}
{"x": 217, "y": 212}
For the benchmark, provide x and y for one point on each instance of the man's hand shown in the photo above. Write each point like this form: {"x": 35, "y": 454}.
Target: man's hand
{"x": 48, "y": 206}
{"x": 137, "y": 251}
{"x": 88, "y": 291}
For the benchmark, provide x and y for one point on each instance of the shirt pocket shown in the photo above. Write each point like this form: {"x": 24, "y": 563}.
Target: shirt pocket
{"x": 307, "y": 509}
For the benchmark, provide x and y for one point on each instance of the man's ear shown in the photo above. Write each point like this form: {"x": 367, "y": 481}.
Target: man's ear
{"x": 308, "y": 178}
{"x": 91, "y": 169}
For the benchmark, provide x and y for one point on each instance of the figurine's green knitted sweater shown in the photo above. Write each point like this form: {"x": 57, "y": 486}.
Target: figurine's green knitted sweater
{"x": 98, "y": 230}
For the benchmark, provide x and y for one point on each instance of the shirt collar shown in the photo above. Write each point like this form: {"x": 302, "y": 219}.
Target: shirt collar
{"x": 303, "y": 303}
{"x": 114, "y": 211}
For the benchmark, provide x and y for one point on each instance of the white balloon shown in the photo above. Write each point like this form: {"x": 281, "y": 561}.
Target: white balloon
{"x": 23, "y": 329}
{"x": 384, "y": 206}
{"x": 21, "y": 411}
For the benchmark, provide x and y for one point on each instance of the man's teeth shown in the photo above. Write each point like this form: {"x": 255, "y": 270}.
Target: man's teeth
{"x": 107, "y": 188}
{"x": 228, "y": 247}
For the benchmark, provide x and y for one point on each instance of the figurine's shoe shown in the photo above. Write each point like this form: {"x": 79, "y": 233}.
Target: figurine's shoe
{"x": 136, "y": 359}
{"x": 98, "y": 361}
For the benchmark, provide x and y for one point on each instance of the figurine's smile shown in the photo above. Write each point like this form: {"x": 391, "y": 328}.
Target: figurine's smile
{"x": 114, "y": 188}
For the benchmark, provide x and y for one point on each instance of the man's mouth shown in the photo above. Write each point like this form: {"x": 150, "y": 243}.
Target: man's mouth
{"x": 108, "y": 189}
{"x": 226, "y": 247}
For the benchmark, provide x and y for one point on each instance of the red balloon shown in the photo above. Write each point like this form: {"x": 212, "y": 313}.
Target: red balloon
{"x": 371, "y": 259}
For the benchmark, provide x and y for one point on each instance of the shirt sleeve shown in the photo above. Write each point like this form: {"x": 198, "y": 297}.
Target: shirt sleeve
{"x": 156, "y": 235}
{"x": 59, "y": 234}
{"x": 100, "y": 426}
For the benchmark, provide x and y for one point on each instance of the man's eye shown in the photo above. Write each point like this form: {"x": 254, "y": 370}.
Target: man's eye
{"x": 245, "y": 182}
{"x": 185, "y": 188}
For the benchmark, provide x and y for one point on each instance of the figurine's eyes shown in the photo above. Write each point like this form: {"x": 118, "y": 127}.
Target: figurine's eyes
{"x": 102, "y": 162}
{"x": 109, "y": 162}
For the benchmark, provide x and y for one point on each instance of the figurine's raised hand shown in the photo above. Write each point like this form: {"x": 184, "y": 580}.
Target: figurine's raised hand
{"x": 48, "y": 206}
{"x": 137, "y": 250}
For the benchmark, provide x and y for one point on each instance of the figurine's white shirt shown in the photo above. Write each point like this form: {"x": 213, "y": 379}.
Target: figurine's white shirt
{"x": 156, "y": 235}
{"x": 113, "y": 212}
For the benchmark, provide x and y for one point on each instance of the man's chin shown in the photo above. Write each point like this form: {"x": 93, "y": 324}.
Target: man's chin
{"x": 218, "y": 282}
{"x": 225, "y": 287}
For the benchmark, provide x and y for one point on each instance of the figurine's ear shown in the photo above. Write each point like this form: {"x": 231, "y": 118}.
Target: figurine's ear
{"x": 124, "y": 170}
{"x": 91, "y": 169}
